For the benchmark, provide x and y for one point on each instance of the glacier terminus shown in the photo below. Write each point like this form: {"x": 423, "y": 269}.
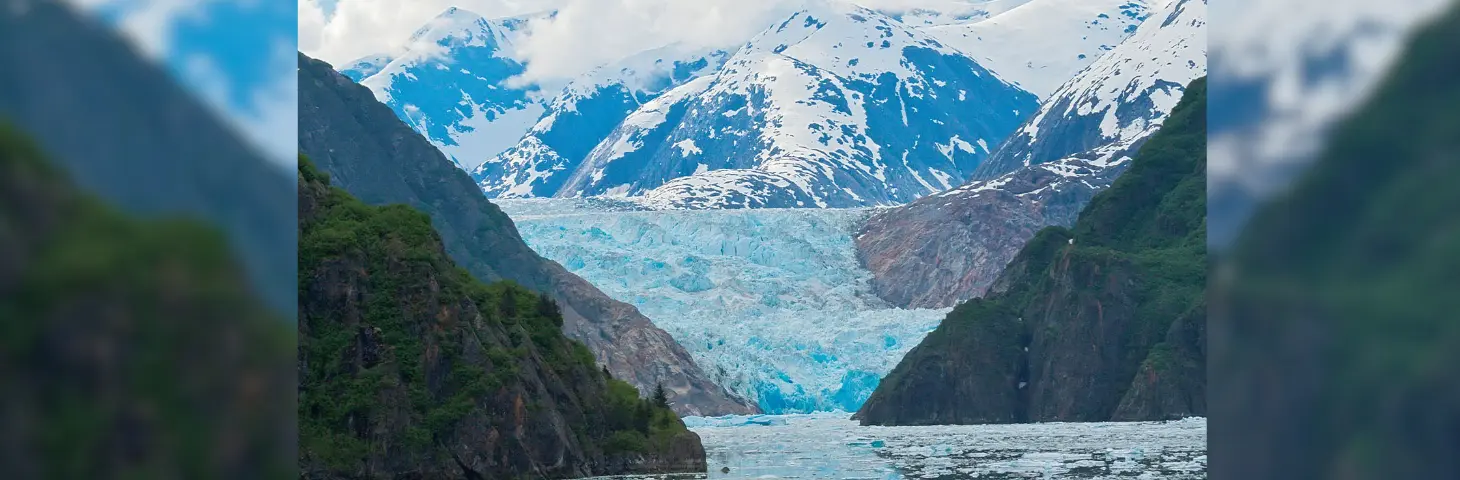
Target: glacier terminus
{"x": 772, "y": 303}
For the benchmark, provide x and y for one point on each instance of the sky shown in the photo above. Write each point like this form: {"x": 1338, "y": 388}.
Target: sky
{"x": 584, "y": 34}
{"x": 238, "y": 56}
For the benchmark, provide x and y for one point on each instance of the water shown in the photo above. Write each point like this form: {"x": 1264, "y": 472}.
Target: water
{"x": 828, "y": 445}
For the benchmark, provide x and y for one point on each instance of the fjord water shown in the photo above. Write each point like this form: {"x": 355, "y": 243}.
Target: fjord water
{"x": 829, "y": 445}
{"x": 772, "y": 303}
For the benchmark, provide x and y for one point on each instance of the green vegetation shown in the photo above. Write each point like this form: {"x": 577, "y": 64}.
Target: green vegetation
{"x": 1348, "y": 282}
{"x": 430, "y": 340}
{"x": 1151, "y": 221}
{"x": 161, "y": 299}
{"x": 1134, "y": 263}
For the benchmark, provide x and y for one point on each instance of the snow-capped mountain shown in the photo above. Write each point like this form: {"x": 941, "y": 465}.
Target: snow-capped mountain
{"x": 927, "y": 14}
{"x": 449, "y": 83}
{"x": 836, "y": 106}
{"x": 583, "y": 114}
{"x": 1106, "y": 110}
{"x": 1078, "y": 142}
{"x": 1041, "y": 44}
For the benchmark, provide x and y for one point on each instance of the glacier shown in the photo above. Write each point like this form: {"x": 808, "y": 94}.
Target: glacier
{"x": 771, "y": 302}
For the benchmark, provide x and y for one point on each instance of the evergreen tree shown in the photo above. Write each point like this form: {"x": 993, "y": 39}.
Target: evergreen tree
{"x": 660, "y": 398}
{"x": 507, "y": 306}
{"x": 548, "y": 308}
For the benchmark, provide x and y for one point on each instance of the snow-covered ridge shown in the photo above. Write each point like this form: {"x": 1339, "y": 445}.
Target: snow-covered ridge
{"x": 834, "y": 106}
{"x": 1113, "y": 105}
{"x": 583, "y": 113}
{"x": 771, "y": 302}
{"x": 927, "y": 14}
{"x": 1041, "y": 44}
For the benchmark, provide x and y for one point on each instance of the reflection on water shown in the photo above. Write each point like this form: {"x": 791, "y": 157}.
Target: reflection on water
{"x": 831, "y": 446}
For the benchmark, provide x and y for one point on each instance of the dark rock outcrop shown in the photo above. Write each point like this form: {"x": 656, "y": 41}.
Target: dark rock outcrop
{"x": 1099, "y": 322}
{"x": 369, "y": 152}
{"x": 411, "y": 368}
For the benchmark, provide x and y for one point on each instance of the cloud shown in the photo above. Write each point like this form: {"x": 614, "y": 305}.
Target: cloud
{"x": 338, "y": 31}
{"x": 264, "y": 110}
{"x": 588, "y": 33}
{"x": 148, "y": 23}
{"x": 585, "y": 34}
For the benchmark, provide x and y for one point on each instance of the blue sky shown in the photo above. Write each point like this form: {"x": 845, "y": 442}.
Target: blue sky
{"x": 238, "y": 55}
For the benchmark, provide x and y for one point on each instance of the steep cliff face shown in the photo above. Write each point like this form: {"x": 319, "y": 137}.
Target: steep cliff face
{"x": 1099, "y": 322}
{"x": 411, "y": 368}
{"x": 369, "y": 152}
{"x": 1081, "y": 139}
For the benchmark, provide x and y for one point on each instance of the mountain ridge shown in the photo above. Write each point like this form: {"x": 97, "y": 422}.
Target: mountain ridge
{"x": 1104, "y": 321}
{"x": 969, "y": 233}
{"x": 371, "y": 153}
{"x": 410, "y": 367}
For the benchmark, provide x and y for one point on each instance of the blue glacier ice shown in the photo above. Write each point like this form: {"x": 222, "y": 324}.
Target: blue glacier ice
{"x": 771, "y": 302}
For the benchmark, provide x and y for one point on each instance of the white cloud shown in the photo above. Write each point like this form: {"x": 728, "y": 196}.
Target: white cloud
{"x": 149, "y": 23}
{"x": 585, "y": 33}
{"x": 588, "y": 33}
{"x": 269, "y": 119}
{"x": 356, "y": 28}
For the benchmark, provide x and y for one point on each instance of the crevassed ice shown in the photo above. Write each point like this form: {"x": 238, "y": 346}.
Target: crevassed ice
{"x": 772, "y": 303}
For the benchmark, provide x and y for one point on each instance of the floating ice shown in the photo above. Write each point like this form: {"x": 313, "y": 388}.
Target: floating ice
{"x": 829, "y": 445}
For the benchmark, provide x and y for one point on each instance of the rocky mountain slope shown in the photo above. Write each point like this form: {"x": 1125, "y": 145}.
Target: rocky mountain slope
{"x": 372, "y": 154}
{"x": 1043, "y": 43}
{"x": 122, "y": 129}
{"x": 410, "y": 367}
{"x": 835, "y": 106}
{"x": 1103, "y": 321}
{"x": 1074, "y": 146}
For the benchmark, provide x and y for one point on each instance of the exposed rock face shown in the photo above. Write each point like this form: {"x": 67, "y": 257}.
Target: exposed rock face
{"x": 967, "y": 235}
{"x": 1169, "y": 383}
{"x": 1079, "y": 141}
{"x": 369, "y": 152}
{"x": 411, "y": 368}
{"x": 1099, "y": 322}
